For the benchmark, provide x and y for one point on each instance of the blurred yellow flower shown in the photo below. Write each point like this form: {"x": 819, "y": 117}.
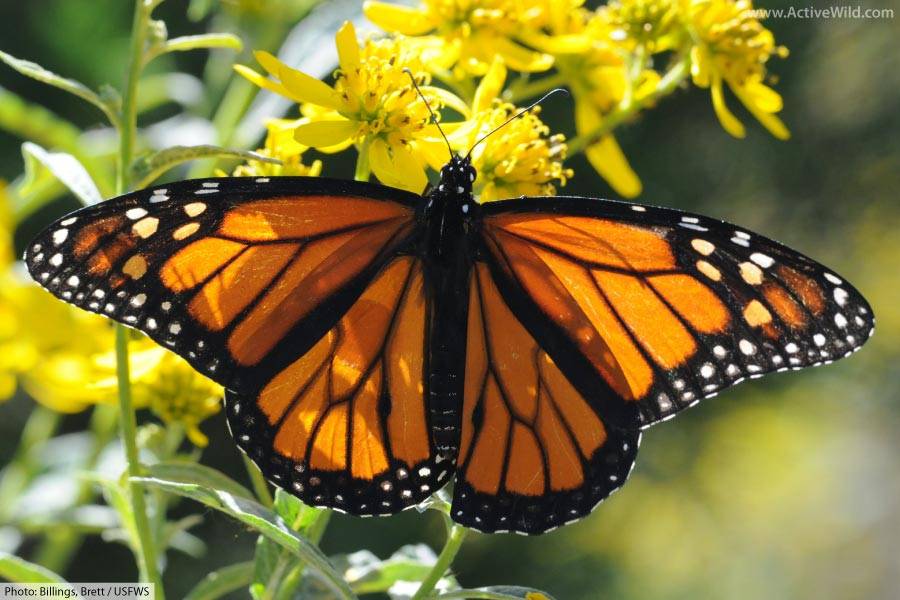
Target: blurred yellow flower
{"x": 177, "y": 394}
{"x": 372, "y": 105}
{"x": 519, "y": 159}
{"x": 652, "y": 24}
{"x": 280, "y": 144}
{"x": 600, "y": 79}
{"x": 733, "y": 46}
{"x": 63, "y": 356}
{"x": 471, "y": 32}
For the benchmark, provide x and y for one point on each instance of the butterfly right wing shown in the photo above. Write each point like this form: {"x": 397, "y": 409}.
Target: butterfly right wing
{"x": 535, "y": 453}
{"x": 344, "y": 426}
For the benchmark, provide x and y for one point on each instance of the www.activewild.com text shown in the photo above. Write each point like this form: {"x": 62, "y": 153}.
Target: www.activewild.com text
{"x": 845, "y": 11}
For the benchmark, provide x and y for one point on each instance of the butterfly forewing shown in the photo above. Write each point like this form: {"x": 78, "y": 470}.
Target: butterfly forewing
{"x": 238, "y": 276}
{"x": 667, "y": 307}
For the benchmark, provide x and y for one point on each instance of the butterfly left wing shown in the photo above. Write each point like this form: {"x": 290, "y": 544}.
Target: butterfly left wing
{"x": 236, "y": 275}
{"x": 665, "y": 307}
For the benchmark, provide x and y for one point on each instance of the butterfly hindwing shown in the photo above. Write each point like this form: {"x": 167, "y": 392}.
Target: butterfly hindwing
{"x": 534, "y": 452}
{"x": 668, "y": 307}
{"x": 236, "y": 275}
{"x": 344, "y": 426}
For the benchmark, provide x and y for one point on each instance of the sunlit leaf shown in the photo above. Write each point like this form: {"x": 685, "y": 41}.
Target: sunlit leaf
{"x": 262, "y": 520}
{"x": 196, "y": 42}
{"x": 367, "y": 574}
{"x": 149, "y": 167}
{"x": 19, "y": 570}
{"x": 496, "y": 592}
{"x": 64, "y": 167}
{"x": 36, "y": 71}
{"x": 221, "y": 582}
{"x": 188, "y": 472}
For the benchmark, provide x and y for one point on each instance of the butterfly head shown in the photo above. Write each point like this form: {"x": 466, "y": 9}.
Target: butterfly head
{"x": 457, "y": 177}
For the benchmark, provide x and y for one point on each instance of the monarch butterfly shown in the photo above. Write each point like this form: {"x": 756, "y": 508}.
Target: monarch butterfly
{"x": 375, "y": 344}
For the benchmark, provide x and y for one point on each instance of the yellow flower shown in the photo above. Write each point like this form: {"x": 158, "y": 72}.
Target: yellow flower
{"x": 652, "y": 24}
{"x": 733, "y": 46}
{"x": 599, "y": 79}
{"x": 519, "y": 159}
{"x": 280, "y": 144}
{"x": 177, "y": 394}
{"x": 63, "y": 356}
{"x": 372, "y": 105}
{"x": 471, "y": 32}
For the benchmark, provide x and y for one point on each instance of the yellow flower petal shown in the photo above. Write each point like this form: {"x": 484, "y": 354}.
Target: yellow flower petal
{"x": 434, "y": 151}
{"x": 347, "y": 46}
{"x": 608, "y": 159}
{"x": 302, "y": 87}
{"x": 490, "y": 86}
{"x": 260, "y": 81}
{"x": 767, "y": 99}
{"x": 775, "y": 125}
{"x": 320, "y": 134}
{"x": 726, "y": 118}
{"x": 396, "y": 167}
{"x": 448, "y": 99}
{"x": 556, "y": 44}
{"x": 520, "y": 58}
{"x": 400, "y": 19}
{"x": 699, "y": 66}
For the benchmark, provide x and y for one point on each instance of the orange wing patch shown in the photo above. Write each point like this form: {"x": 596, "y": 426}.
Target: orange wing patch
{"x": 294, "y": 217}
{"x": 336, "y": 387}
{"x": 618, "y": 297}
{"x": 533, "y": 453}
{"x": 279, "y": 283}
{"x": 524, "y": 427}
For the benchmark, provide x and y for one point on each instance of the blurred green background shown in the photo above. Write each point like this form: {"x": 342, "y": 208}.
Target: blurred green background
{"x": 788, "y": 487}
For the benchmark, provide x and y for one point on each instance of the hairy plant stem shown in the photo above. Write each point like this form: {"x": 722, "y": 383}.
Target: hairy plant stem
{"x": 455, "y": 538}
{"x": 146, "y": 547}
{"x": 629, "y": 107}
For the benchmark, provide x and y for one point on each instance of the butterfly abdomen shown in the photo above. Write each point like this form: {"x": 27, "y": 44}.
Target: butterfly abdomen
{"x": 448, "y": 266}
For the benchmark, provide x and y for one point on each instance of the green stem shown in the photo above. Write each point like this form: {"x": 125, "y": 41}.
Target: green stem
{"x": 146, "y": 550}
{"x": 670, "y": 81}
{"x": 363, "y": 170}
{"x": 260, "y": 487}
{"x": 444, "y": 560}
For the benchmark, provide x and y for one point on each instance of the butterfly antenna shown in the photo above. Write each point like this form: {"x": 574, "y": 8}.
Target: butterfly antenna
{"x": 516, "y": 116}
{"x": 428, "y": 106}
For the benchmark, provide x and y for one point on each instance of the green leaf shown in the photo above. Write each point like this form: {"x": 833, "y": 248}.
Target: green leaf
{"x": 19, "y": 570}
{"x": 265, "y": 563}
{"x": 262, "y": 520}
{"x": 64, "y": 167}
{"x": 195, "y": 42}
{"x": 409, "y": 563}
{"x": 114, "y": 495}
{"x": 221, "y": 582}
{"x": 188, "y": 472}
{"x": 496, "y": 592}
{"x": 148, "y": 168}
{"x": 33, "y": 122}
{"x": 36, "y": 71}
